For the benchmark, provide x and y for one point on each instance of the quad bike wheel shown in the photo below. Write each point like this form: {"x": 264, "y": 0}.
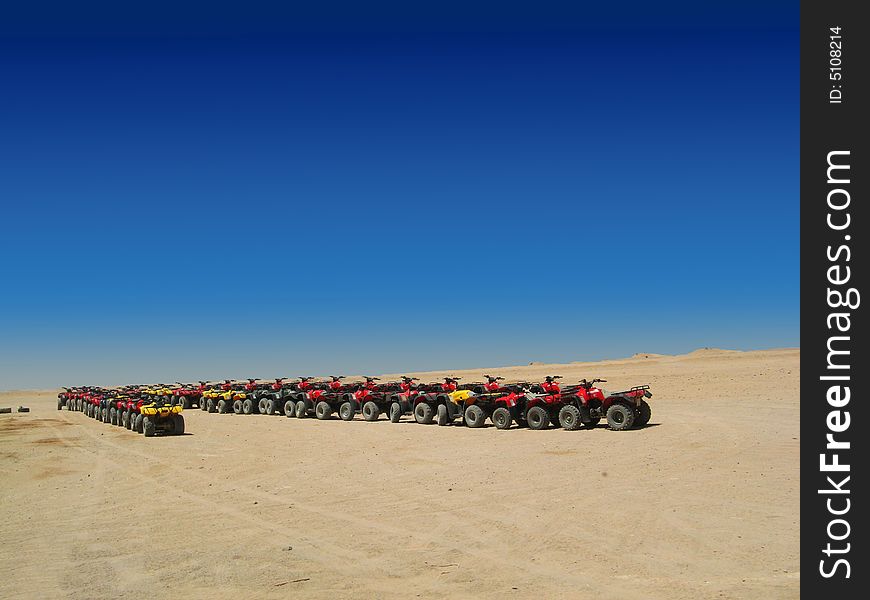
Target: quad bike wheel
{"x": 270, "y": 407}
{"x": 501, "y": 417}
{"x": 395, "y": 412}
{"x": 222, "y": 406}
{"x": 644, "y": 412}
{"x": 237, "y": 407}
{"x": 475, "y": 416}
{"x": 149, "y": 427}
{"x": 302, "y": 409}
{"x": 538, "y": 418}
{"x": 323, "y": 410}
{"x": 113, "y": 416}
{"x": 248, "y": 406}
{"x": 346, "y": 411}
{"x": 261, "y": 406}
{"x": 370, "y": 411}
{"x": 184, "y": 402}
{"x": 203, "y": 404}
{"x": 177, "y": 424}
{"x": 442, "y": 415}
{"x": 140, "y": 423}
{"x": 423, "y": 413}
{"x": 59, "y": 404}
{"x": 290, "y": 408}
{"x": 620, "y": 417}
{"x": 569, "y": 418}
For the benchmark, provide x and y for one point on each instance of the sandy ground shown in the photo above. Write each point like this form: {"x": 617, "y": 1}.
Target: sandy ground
{"x": 703, "y": 503}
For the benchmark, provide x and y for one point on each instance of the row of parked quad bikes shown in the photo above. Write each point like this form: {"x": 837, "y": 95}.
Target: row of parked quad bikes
{"x": 156, "y": 409}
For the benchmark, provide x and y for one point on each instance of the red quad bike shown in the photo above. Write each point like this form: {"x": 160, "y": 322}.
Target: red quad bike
{"x": 84, "y": 400}
{"x": 401, "y": 402}
{"x": 117, "y": 405}
{"x": 95, "y": 400}
{"x": 370, "y": 398}
{"x": 63, "y": 398}
{"x": 541, "y": 404}
{"x": 500, "y": 403}
{"x": 333, "y": 396}
{"x": 430, "y": 402}
{"x": 587, "y": 404}
{"x": 307, "y": 393}
{"x": 188, "y": 394}
{"x": 135, "y": 419}
{"x": 75, "y": 395}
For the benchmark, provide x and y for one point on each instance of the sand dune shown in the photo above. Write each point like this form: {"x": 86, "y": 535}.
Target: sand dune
{"x": 701, "y": 504}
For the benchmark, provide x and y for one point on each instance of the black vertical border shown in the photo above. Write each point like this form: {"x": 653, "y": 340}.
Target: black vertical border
{"x": 827, "y": 127}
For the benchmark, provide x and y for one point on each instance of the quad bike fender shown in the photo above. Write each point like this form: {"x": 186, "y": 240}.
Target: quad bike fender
{"x": 632, "y": 400}
{"x": 160, "y": 411}
{"x": 460, "y": 396}
{"x": 403, "y": 401}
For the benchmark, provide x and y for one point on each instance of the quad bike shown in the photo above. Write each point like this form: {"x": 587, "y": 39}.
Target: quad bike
{"x": 134, "y": 417}
{"x": 541, "y": 404}
{"x": 328, "y": 397}
{"x": 299, "y": 400}
{"x": 500, "y": 403}
{"x": 188, "y": 394}
{"x": 63, "y": 398}
{"x": 161, "y": 416}
{"x": 276, "y": 398}
{"x": 249, "y": 403}
{"x": 117, "y": 405}
{"x": 368, "y": 397}
{"x": 432, "y": 402}
{"x": 586, "y": 404}
{"x": 159, "y": 391}
{"x": 256, "y": 395}
{"x": 280, "y": 397}
{"x": 224, "y": 397}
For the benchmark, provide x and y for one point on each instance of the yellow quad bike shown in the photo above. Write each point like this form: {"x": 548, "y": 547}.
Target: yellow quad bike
{"x": 161, "y": 416}
{"x": 158, "y": 392}
{"x": 224, "y": 398}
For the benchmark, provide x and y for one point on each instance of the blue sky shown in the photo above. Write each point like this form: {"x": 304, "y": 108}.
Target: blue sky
{"x": 217, "y": 191}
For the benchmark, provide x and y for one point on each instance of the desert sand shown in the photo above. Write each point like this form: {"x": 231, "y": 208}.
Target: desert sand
{"x": 702, "y": 503}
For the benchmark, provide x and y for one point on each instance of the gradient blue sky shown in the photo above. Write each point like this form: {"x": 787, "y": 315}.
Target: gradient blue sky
{"x": 214, "y": 190}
